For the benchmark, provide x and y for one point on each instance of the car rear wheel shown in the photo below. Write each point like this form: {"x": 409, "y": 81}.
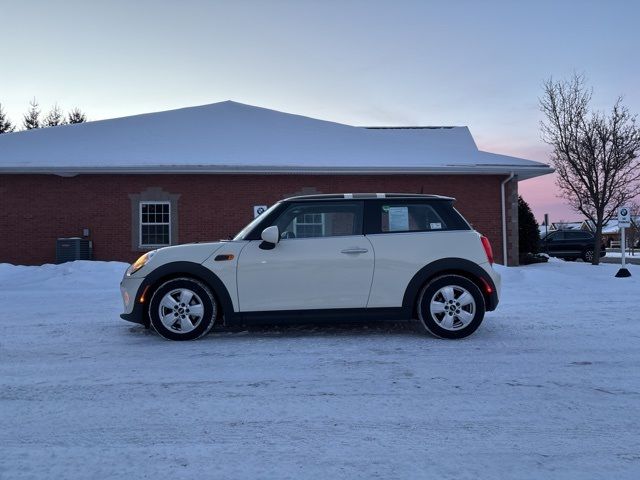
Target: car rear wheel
{"x": 587, "y": 256}
{"x": 182, "y": 309}
{"x": 450, "y": 307}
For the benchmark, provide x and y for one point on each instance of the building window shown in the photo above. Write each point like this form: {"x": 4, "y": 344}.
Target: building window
{"x": 154, "y": 219}
{"x": 155, "y": 224}
{"x": 309, "y": 225}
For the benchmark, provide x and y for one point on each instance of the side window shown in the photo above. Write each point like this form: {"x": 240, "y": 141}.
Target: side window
{"x": 556, "y": 236}
{"x": 321, "y": 219}
{"x": 410, "y": 218}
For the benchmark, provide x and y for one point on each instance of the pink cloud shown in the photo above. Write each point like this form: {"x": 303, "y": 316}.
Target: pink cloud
{"x": 542, "y": 195}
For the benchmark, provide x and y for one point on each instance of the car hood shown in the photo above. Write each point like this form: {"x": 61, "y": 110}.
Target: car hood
{"x": 189, "y": 252}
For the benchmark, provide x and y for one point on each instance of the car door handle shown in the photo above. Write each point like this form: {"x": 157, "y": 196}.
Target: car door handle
{"x": 354, "y": 250}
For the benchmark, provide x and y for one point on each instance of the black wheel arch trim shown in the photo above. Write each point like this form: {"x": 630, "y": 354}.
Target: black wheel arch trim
{"x": 179, "y": 269}
{"x": 456, "y": 266}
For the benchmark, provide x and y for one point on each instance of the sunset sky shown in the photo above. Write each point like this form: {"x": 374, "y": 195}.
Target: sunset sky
{"x": 479, "y": 64}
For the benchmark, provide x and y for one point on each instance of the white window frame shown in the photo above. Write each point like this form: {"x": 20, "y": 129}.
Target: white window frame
{"x": 140, "y": 223}
{"x": 321, "y": 223}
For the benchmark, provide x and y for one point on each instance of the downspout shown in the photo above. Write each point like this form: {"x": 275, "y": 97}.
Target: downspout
{"x": 504, "y": 218}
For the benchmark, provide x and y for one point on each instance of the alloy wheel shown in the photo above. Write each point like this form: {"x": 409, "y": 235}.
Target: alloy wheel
{"x": 452, "y": 307}
{"x": 181, "y": 310}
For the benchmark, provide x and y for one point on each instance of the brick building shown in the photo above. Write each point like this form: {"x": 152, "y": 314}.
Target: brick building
{"x": 197, "y": 174}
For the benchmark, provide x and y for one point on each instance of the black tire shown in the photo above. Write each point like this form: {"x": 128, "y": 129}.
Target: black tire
{"x": 204, "y": 297}
{"x": 587, "y": 255}
{"x": 426, "y": 320}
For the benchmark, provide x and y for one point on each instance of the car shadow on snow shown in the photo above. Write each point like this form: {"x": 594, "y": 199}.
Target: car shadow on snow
{"x": 316, "y": 330}
{"x": 300, "y": 330}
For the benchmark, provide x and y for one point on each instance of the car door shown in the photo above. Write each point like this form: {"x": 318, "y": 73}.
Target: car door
{"x": 574, "y": 242}
{"x": 554, "y": 243}
{"x": 587, "y": 241}
{"x": 323, "y": 261}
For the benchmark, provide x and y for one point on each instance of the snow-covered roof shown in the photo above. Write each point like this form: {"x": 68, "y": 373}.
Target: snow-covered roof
{"x": 568, "y": 225}
{"x": 233, "y": 137}
{"x": 612, "y": 226}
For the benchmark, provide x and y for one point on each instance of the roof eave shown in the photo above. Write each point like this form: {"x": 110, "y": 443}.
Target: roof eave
{"x": 523, "y": 172}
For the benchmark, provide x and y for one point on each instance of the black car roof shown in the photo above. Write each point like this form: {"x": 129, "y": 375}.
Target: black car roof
{"x": 570, "y": 230}
{"x": 367, "y": 196}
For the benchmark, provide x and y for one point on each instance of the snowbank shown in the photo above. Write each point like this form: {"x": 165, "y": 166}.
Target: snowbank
{"x": 547, "y": 388}
{"x": 80, "y": 274}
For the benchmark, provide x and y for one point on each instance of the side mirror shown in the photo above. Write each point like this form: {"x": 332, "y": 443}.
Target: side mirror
{"x": 270, "y": 236}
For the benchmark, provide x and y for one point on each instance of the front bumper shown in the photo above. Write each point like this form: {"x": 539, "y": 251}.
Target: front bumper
{"x": 132, "y": 289}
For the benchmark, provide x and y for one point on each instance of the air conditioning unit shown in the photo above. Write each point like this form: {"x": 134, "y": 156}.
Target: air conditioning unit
{"x": 70, "y": 249}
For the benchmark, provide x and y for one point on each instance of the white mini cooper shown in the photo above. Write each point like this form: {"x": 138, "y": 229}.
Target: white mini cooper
{"x": 347, "y": 257}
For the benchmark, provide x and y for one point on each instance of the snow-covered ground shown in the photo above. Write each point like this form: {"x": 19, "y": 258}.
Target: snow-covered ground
{"x": 549, "y": 387}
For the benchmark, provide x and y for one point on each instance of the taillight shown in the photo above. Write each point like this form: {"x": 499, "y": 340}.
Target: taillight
{"x": 486, "y": 244}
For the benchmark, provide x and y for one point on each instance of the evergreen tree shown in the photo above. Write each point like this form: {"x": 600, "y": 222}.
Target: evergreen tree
{"x": 5, "y": 124}
{"x": 76, "y": 116}
{"x": 528, "y": 233}
{"x": 31, "y": 119}
{"x": 54, "y": 118}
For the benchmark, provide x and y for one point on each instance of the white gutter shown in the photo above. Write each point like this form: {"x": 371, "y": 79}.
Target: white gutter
{"x": 69, "y": 171}
{"x": 504, "y": 218}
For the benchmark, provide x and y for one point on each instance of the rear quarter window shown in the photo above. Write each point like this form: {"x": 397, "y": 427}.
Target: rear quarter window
{"x": 411, "y": 216}
{"x": 577, "y": 235}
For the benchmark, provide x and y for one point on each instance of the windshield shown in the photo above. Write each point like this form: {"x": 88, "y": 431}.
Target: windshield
{"x": 243, "y": 233}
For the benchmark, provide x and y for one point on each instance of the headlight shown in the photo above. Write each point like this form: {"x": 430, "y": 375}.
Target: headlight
{"x": 141, "y": 262}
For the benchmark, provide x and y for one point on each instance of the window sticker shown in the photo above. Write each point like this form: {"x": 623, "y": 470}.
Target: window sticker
{"x": 436, "y": 226}
{"x": 398, "y": 219}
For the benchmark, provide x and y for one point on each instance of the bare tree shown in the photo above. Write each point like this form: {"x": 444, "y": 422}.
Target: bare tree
{"x": 54, "y": 118}
{"x": 595, "y": 154}
{"x": 5, "y": 124}
{"x": 31, "y": 119}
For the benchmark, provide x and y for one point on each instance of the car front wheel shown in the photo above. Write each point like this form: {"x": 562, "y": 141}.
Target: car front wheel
{"x": 450, "y": 307}
{"x": 182, "y": 309}
{"x": 587, "y": 256}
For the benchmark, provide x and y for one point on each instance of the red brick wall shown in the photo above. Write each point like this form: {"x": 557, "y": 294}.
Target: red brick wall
{"x": 37, "y": 209}
{"x": 511, "y": 210}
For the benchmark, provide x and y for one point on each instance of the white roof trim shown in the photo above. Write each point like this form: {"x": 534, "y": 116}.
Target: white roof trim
{"x": 522, "y": 172}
